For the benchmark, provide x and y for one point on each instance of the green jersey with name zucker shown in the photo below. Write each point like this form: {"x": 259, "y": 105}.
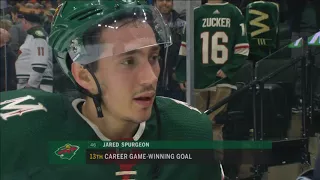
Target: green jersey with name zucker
{"x": 32, "y": 118}
{"x": 220, "y": 43}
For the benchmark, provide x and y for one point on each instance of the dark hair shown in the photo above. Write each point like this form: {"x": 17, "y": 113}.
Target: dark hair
{"x": 204, "y": 1}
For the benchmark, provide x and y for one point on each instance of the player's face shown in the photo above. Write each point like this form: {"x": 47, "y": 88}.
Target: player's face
{"x": 25, "y": 24}
{"x": 164, "y": 6}
{"x": 4, "y": 37}
{"x": 48, "y": 5}
{"x": 129, "y": 80}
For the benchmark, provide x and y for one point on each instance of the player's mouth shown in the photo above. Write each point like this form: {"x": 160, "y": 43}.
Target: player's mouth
{"x": 145, "y": 99}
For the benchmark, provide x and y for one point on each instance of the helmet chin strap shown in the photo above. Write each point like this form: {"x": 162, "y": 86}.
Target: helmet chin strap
{"x": 97, "y": 98}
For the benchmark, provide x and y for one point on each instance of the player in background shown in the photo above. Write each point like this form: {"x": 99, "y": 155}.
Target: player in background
{"x": 221, "y": 47}
{"x": 262, "y": 22}
{"x": 110, "y": 51}
{"x": 34, "y": 63}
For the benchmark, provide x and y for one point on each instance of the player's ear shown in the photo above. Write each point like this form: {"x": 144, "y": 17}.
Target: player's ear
{"x": 83, "y": 77}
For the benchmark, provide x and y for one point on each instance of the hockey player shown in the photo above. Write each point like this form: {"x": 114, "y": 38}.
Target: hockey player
{"x": 262, "y": 21}
{"x": 34, "y": 64}
{"x": 110, "y": 50}
{"x": 221, "y": 48}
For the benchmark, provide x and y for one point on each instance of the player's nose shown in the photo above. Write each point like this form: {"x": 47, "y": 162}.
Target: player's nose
{"x": 148, "y": 74}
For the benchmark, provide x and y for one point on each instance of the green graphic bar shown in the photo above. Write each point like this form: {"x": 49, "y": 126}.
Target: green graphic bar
{"x": 169, "y": 144}
{"x": 183, "y": 144}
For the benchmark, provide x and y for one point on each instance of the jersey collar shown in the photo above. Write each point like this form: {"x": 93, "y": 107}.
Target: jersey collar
{"x": 136, "y": 137}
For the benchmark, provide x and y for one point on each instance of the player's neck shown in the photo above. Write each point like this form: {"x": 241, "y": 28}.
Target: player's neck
{"x": 110, "y": 127}
{"x": 215, "y": 1}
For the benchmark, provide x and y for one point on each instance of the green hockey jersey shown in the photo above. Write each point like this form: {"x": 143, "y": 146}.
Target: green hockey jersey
{"x": 262, "y": 20}
{"x": 30, "y": 119}
{"x": 220, "y": 42}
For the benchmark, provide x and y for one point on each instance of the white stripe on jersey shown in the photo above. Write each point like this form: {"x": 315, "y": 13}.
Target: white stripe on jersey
{"x": 239, "y": 10}
{"x": 183, "y": 49}
{"x": 123, "y": 173}
{"x": 242, "y": 49}
{"x": 277, "y": 5}
{"x": 39, "y": 65}
{"x": 222, "y": 172}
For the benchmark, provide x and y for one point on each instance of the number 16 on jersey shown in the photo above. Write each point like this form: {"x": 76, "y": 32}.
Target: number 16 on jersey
{"x": 219, "y": 52}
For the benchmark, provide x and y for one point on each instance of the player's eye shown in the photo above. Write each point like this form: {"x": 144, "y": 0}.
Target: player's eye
{"x": 128, "y": 61}
{"x": 154, "y": 59}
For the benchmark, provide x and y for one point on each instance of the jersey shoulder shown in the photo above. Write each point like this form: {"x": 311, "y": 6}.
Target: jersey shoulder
{"x": 38, "y": 32}
{"x": 182, "y": 121}
{"x": 262, "y": 4}
{"x": 30, "y": 104}
{"x": 236, "y": 11}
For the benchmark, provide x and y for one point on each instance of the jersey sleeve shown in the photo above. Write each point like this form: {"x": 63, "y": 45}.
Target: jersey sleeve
{"x": 241, "y": 46}
{"x": 40, "y": 55}
{"x": 180, "y": 69}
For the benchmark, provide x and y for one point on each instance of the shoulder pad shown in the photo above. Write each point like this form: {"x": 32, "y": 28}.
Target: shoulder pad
{"x": 38, "y": 33}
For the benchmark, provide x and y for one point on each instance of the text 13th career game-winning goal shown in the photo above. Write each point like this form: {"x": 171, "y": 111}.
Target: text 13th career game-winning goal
{"x": 104, "y": 152}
